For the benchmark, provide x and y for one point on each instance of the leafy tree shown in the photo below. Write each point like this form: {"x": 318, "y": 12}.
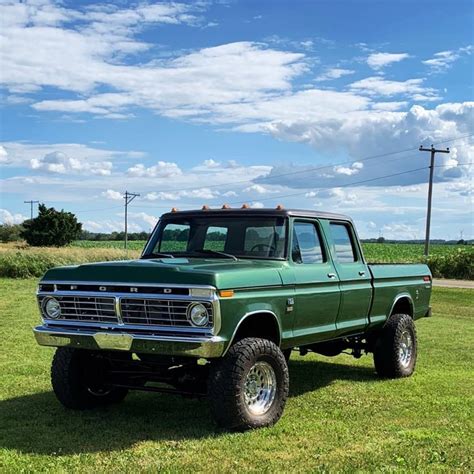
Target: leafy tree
{"x": 51, "y": 228}
{"x": 10, "y": 232}
{"x": 381, "y": 240}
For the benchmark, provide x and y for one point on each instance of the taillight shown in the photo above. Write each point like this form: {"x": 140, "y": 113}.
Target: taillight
{"x": 427, "y": 278}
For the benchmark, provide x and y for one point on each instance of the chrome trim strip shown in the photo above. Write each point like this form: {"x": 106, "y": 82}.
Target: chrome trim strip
{"x": 398, "y": 298}
{"x": 118, "y": 310}
{"x": 80, "y": 325}
{"x": 126, "y": 283}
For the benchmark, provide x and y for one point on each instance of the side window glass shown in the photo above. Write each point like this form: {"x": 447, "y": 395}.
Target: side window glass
{"x": 306, "y": 244}
{"x": 343, "y": 244}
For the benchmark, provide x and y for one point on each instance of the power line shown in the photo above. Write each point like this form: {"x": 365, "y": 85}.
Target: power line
{"x": 433, "y": 152}
{"x": 318, "y": 168}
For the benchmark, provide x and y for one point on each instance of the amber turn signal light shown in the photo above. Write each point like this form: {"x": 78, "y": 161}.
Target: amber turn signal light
{"x": 226, "y": 293}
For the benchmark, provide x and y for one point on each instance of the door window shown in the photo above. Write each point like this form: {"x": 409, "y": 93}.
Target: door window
{"x": 343, "y": 243}
{"x": 306, "y": 246}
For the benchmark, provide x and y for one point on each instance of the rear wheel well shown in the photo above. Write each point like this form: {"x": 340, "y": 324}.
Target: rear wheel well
{"x": 262, "y": 325}
{"x": 403, "y": 306}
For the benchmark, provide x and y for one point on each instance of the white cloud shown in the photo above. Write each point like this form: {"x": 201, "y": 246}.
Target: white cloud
{"x": 211, "y": 163}
{"x": 230, "y": 194}
{"x": 3, "y": 155}
{"x": 354, "y": 168}
{"x": 444, "y": 60}
{"x": 377, "y": 85}
{"x": 75, "y": 157}
{"x": 6, "y": 217}
{"x": 162, "y": 169}
{"x": 380, "y": 60}
{"x": 111, "y": 194}
{"x": 257, "y": 205}
{"x": 259, "y": 189}
{"x": 334, "y": 73}
{"x": 59, "y": 162}
{"x": 203, "y": 193}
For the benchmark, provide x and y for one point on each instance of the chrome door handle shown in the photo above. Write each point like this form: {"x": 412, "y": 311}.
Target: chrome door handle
{"x": 361, "y": 273}
{"x": 331, "y": 275}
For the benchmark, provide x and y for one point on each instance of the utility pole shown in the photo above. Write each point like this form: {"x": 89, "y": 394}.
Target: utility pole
{"x": 31, "y": 206}
{"x": 433, "y": 151}
{"x": 129, "y": 197}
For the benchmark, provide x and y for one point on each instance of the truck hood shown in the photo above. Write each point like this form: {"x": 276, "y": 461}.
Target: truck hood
{"x": 216, "y": 272}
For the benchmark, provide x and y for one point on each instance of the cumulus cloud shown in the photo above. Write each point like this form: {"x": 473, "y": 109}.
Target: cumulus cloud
{"x": 111, "y": 194}
{"x": 354, "y": 168}
{"x": 380, "y": 60}
{"x": 162, "y": 169}
{"x": 3, "y": 155}
{"x": 59, "y": 162}
{"x": 9, "y": 218}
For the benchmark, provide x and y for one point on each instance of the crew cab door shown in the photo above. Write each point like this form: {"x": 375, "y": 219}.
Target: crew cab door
{"x": 354, "y": 277}
{"x": 316, "y": 284}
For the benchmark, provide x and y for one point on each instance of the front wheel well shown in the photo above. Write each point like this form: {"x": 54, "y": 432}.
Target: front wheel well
{"x": 262, "y": 325}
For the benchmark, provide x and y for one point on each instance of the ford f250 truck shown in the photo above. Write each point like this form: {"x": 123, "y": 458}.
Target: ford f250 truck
{"x": 215, "y": 305}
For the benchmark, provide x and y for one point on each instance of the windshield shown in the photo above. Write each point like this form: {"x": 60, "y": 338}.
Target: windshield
{"x": 241, "y": 237}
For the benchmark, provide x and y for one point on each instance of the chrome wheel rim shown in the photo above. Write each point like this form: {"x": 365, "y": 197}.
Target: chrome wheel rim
{"x": 406, "y": 348}
{"x": 260, "y": 388}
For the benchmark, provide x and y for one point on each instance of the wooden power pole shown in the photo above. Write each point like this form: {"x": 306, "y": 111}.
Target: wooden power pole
{"x": 129, "y": 197}
{"x": 433, "y": 151}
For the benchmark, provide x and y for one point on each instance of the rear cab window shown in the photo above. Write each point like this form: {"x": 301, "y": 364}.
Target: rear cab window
{"x": 344, "y": 244}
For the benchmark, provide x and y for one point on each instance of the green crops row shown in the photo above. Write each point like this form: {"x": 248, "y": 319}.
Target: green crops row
{"x": 445, "y": 261}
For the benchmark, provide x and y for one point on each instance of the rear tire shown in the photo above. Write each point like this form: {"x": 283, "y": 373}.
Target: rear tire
{"x": 248, "y": 388}
{"x": 395, "y": 349}
{"x": 77, "y": 379}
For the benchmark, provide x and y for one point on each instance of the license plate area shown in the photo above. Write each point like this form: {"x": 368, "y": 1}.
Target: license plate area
{"x": 116, "y": 342}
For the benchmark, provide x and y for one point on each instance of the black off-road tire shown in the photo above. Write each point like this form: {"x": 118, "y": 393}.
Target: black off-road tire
{"x": 71, "y": 376}
{"x": 388, "y": 350}
{"x": 226, "y": 385}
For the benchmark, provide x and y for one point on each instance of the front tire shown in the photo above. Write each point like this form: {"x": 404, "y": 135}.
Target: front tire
{"x": 395, "y": 349}
{"x": 248, "y": 388}
{"x": 77, "y": 377}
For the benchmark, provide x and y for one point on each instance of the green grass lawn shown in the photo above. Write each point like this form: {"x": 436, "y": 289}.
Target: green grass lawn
{"x": 339, "y": 417}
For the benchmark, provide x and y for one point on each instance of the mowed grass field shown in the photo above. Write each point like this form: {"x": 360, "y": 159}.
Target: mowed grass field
{"x": 339, "y": 417}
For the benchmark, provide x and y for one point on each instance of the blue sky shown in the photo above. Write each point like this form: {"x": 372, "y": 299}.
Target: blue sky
{"x": 317, "y": 105}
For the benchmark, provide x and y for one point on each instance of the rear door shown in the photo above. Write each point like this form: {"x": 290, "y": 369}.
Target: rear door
{"x": 316, "y": 283}
{"x": 354, "y": 277}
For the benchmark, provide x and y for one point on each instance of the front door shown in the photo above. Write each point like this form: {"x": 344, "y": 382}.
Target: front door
{"x": 354, "y": 278}
{"x": 316, "y": 284}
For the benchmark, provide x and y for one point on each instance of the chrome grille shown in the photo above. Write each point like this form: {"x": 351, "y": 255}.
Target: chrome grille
{"x": 158, "y": 312}
{"x": 87, "y": 308}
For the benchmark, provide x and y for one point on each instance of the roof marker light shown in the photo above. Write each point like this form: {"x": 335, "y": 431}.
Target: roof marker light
{"x": 174, "y": 209}
{"x": 205, "y": 207}
{"x": 245, "y": 206}
{"x": 226, "y": 206}
{"x": 280, "y": 207}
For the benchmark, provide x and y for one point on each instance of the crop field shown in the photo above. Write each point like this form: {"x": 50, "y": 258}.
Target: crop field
{"x": 20, "y": 261}
{"x": 339, "y": 418}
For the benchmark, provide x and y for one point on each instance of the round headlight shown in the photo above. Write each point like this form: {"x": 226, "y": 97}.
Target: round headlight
{"x": 198, "y": 314}
{"x": 52, "y": 308}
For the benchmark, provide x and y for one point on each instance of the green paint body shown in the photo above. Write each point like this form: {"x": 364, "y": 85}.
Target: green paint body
{"x": 308, "y": 306}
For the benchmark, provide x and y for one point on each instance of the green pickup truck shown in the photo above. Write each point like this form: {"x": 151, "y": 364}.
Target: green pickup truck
{"x": 215, "y": 305}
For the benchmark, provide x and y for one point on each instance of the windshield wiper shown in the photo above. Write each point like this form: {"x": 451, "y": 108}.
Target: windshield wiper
{"x": 158, "y": 255}
{"x": 215, "y": 252}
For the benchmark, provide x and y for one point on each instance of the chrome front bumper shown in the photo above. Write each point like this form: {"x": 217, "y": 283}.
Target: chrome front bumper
{"x": 206, "y": 347}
